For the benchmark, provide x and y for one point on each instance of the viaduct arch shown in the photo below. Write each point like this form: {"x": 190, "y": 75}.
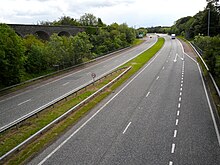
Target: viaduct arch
{"x": 45, "y": 31}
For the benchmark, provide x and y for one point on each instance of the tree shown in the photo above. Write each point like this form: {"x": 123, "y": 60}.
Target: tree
{"x": 141, "y": 32}
{"x": 66, "y": 20}
{"x": 11, "y": 56}
{"x": 100, "y": 41}
{"x": 198, "y": 24}
{"x": 214, "y": 18}
{"x": 211, "y": 51}
{"x": 100, "y": 23}
{"x": 88, "y": 20}
{"x": 47, "y": 23}
{"x": 81, "y": 47}
{"x": 59, "y": 50}
{"x": 35, "y": 53}
{"x": 213, "y": 1}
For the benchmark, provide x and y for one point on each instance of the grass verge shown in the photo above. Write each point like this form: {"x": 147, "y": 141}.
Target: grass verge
{"x": 14, "y": 136}
{"x": 47, "y": 138}
{"x": 210, "y": 86}
{"x": 137, "y": 42}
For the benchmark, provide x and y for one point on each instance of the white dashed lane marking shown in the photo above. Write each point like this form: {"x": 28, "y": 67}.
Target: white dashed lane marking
{"x": 126, "y": 127}
{"x": 24, "y": 102}
{"x": 148, "y": 94}
{"x": 178, "y": 113}
{"x": 173, "y": 148}
{"x": 65, "y": 83}
{"x": 175, "y": 133}
{"x": 177, "y": 121}
{"x": 170, "y": 163}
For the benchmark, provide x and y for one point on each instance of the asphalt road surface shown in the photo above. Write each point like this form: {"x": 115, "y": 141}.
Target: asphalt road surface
{"x": 160, "y": 116}
{"x": 15, "y": 107}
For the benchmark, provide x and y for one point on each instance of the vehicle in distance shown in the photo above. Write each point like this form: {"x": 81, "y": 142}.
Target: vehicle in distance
{"x": 173, "y": 36}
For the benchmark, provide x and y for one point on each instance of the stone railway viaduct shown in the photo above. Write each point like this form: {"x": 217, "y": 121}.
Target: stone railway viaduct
{"x": 44, "y": 31}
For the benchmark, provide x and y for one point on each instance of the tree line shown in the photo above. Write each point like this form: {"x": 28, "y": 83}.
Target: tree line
{"x": 25, "y": 58}
{"x": 196, "y": 29}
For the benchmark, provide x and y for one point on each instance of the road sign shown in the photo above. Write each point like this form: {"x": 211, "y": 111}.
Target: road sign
{"x": 93, "y": 75}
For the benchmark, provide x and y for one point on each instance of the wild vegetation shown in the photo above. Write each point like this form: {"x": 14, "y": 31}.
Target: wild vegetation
{"x": 207, "y": 39}
{"x": 11, "y": 138}
{"x": 159, "y": 29}
{"x": 198, "y": 24}
{"x": 25, "y": 58}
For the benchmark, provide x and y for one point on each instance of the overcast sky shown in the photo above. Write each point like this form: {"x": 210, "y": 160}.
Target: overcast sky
{"x": 136, "y": 13}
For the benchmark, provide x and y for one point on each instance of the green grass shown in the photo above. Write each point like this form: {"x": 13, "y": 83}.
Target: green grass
{"x": 137, "y": 42}
{"x": 210, "y": 86}
{"x": 51, "y": 135}
{"x": 12, "y": 137}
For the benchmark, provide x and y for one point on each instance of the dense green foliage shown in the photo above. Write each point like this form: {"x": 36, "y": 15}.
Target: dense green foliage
{"x": 159, "y": 29}
{"x": 141, "y": 32}
{"x": 25, "y": 58}
{"x": 11, "y": 56}
{"x": 196, "y": 29}
{"x": 198, "y": 24}
{"x": 211, "y": 52}
{"x": 85, "y": 20}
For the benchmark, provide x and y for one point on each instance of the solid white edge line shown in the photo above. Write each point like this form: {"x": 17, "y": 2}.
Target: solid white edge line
{"x": 185, "y": 52}
{"x": 190, "y": 57}
{"x": 65, "y": 141}
{"x": 210, "y": 107}
{"x": 207, "y": 97}
{"x": 199, "y": 56}
{"x": 181, "y": 47}
{"x": 126, "y": 127}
